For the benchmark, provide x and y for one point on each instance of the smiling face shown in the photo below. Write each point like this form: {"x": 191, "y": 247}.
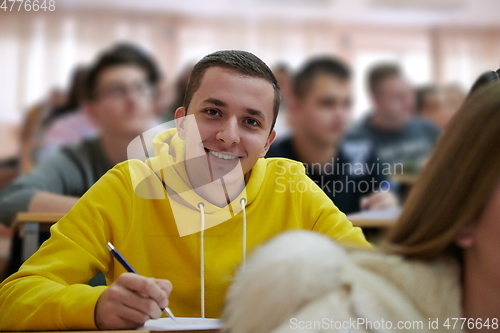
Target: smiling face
{"x": 234, "y": 116}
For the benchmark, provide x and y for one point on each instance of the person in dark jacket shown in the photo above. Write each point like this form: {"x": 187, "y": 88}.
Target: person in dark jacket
{"x": 352, "y": 177}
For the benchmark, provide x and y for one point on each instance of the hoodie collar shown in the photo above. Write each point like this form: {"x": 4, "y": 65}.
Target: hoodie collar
{"x": 168, "y": 163}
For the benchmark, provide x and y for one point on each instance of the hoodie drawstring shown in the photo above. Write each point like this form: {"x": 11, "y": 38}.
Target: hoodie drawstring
{"x": 244, "y": 236}
{"x": 201, "y": 206}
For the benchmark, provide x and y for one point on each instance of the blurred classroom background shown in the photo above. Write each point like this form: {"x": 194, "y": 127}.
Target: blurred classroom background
{"x": 448, "y": 43}
{"x": 435, "y": 41}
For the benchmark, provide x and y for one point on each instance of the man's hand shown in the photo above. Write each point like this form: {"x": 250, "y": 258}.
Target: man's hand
{"x": 130, "y": 301}
{"x": 379, "y": 200}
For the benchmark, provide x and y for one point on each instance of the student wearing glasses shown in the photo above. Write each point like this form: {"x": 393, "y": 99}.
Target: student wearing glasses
{"x": 119, "y": 100}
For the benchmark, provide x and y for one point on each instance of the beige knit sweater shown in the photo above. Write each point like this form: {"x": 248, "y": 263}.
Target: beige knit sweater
{"x": 304, "y": 282}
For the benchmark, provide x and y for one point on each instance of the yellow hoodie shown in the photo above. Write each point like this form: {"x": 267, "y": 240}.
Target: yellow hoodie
{"x": 50, "y": 293}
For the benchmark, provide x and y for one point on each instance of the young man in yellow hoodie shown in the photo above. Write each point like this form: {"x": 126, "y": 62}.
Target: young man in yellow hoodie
{"x": 168, "y": 218}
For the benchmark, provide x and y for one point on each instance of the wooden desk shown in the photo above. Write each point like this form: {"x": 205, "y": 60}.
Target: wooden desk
{"x": 126, "y": 331}
{"x": 376, "y": 218}
{"x": 29, "y": 225}
{"x": 409, "y": 180}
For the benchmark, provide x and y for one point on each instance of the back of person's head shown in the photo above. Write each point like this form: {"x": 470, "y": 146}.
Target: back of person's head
{"x": 180, "y": 87}
{"x": 242, "y": 62}
{"x": 456, "y": 184}
{"x": 281, "y": 68}
{"x": 283, "y": 75}
{"x": 326, "y": 65}
{"x": 74, "y": 97}
{"x": 121, "y": 55}
{"x": 422, "y": 94}
{"x": 76, "y": 93}
{"x": 485, "y": 79}
{"x": 379, "y": 73}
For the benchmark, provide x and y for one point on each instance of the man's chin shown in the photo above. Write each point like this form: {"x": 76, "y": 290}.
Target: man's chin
{"x": 228, "y": 175}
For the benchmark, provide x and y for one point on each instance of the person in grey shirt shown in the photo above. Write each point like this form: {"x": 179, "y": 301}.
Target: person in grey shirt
{"x": 120, "y": 95}
{"x": 402, "y": 141}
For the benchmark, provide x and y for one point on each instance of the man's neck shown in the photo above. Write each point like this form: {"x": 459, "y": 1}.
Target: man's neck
{"x": 210, "y": 190}
{"x": 310, "y": 152}
{"x": 382, "y": 123}
{"x": 221, "y": 197}
{"x": 115, "y": 147}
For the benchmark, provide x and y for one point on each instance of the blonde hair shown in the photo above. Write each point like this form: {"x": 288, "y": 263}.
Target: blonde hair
{"x": 455, "y": 184}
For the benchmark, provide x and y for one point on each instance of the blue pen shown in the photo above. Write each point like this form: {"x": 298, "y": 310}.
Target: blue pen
{"x": 129, "y": 269}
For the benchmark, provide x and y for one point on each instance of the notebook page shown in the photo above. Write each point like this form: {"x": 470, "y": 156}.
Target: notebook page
{"x": 182, "y": 324}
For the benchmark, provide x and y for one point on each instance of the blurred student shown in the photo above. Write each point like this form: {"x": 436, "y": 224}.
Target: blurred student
{"x": 399, "y": 138}
{"x": 119, "y": 101}
{"x": 179, "y": 90}
{"x": 74, "y": 126}
{"x": 320, "y": 114}
{"x": 284, "y": 76}
{"x": 231, "y": 104}
{"x": 74, "y": 98}
{"x": 70, "y": 127}
{"x": 431, "y": 106}
{"x": 439, "y": 262}
{"x": 33, "y": 128}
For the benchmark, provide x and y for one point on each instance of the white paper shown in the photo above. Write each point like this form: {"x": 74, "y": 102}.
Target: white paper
{"x": 182, "y": 324}
{"x": 382, "y": 214}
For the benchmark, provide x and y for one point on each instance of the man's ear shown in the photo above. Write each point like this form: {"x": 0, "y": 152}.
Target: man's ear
{"x": 466, "y": 237}
{"x": 180, "y": 122}
{"x": 270, "y": 140}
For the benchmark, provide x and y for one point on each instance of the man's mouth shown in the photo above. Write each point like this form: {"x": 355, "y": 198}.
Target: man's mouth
{"x": 224, "y": 156}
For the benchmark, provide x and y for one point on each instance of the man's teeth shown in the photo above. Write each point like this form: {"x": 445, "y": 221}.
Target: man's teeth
{"x": 224, "y": 156}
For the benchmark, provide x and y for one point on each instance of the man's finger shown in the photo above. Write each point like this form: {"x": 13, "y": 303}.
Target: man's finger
{"x": 133, "y": 317}
{"x": 164, "y": 285}
{"x": 143, "y": 305}
{"x": 144, "y": 286}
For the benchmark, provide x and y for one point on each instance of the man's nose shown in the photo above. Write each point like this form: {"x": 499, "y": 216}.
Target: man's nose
{"x": 229, "y": 132}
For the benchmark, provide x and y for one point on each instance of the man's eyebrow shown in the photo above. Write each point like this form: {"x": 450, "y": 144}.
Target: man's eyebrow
{"x": 257, "y": 113}
{"x": 215, "y": 101}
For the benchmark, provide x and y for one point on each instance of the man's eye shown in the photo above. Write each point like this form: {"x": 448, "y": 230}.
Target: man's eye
{"x": 252, "y": 122}
{"x": 212, "y": 112}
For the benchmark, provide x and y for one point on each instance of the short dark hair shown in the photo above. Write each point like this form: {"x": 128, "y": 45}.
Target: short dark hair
{"x": 485, "y": 79}
{"x": 281, "y": 67}
{"x": 305, "y": 77}
{"x": 242, "y": 62}
{"x": 421, "y": 94}
{"x": 379, "y": 73}
{"x": 119, "y": 55}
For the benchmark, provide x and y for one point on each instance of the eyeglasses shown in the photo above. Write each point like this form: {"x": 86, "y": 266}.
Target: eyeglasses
{"x": 121, "y": 91}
